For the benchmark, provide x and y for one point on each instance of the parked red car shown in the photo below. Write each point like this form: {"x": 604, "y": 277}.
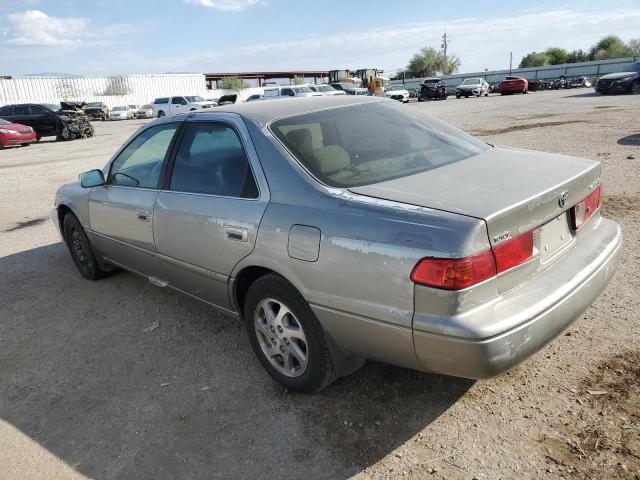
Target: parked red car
{"x": 514, "y": 85}
{"x": 15, "y": 134}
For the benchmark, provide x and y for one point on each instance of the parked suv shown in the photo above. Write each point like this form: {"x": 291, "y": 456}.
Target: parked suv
{"x": 173, "y": 105}
{"x": 97, "y": 111}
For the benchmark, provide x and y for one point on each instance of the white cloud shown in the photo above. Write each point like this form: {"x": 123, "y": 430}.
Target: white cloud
{"x": 36, "y": 28}
{"x": 226, "y": 5}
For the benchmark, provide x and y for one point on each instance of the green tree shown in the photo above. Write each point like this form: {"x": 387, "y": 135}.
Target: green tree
{"x": 425, "y": 63}
{"x": 610, "y": 47}
{"x": 556, "y": 56}
{"x": 117, "y": 86}
{"x": 298, "y": 80}
{"x": 428, "y": 62}
{"x": 534, "y": 59}
{"x": 634, "y": 45}
{"x": 576, "y": 56}
{"x": 231, "y": 83}
{"x": 451, "y": 65}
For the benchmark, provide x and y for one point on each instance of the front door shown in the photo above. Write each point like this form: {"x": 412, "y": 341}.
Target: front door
{"x": 121, "y": 212}
{"x": 178, "y": 105}
{"x": 207, "y": 216}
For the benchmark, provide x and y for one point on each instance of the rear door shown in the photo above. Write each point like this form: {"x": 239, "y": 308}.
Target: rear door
{"x": 121, "y": 212}
{"x": 208, "y": 213}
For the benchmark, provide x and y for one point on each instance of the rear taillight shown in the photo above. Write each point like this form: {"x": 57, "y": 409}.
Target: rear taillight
{"x": 584, "y": 209}
{"x": 517, "y": 251}
{"x": 459, "y": 273}
{"x": 454, "y": 273}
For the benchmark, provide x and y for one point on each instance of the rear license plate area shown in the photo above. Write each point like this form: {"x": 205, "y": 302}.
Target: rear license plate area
{"x": 554, "y": 236}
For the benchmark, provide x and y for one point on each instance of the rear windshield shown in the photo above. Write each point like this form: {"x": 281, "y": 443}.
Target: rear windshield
{"x": 369, "y": 143}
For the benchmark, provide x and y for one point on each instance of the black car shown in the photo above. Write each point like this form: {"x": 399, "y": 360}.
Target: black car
{"x": 43, "y": 118}
{"x": 66, "y": 121}
{"x": 627, "y": 81}
{"x": 97, "y": 110}
{"x": 432, "y": 89}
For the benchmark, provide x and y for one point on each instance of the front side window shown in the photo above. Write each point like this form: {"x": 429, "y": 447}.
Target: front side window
{"x": 211, "y": 160}
{"x": 140, "y": 163}
{"x": 287, "y": 92}
{"x": 178, "y": 101}
{"x": 373, "y": 142}
{"x": 38, "y": 110}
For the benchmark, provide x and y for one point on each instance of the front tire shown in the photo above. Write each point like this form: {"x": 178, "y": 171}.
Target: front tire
{"x": 286, "y": 336}
{"x": 80, "y": 248}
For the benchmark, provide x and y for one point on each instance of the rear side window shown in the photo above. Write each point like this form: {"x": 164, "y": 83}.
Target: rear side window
{"x": 160, "y": 101}
{"x": 22, "y": 110}
{"x": 372, "y": 142}
{"x": 38, "y": 110}
{"x": 6, "y": 111}
{"x": 140, "y": 163}
{"x": 211, "y": 160}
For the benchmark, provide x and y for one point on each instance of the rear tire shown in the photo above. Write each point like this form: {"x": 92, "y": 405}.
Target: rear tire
{"x": 305, "y": 364}
{"x": 635, "y": 88}
{"x": 161, "y": 114}
{"x": 80, "y": 248}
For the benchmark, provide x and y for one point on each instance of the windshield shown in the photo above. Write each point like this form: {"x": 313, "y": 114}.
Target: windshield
{"x": 302, "y": 90}
{"x": 194, "y": 99}
{"x": 93, "y": 105}
{"x": 324, "y": 88}
{"x": 373, "y": 142}
{"x": 146, "y": 107}
{"x": 119, "y": 109}
{"x": 471, "y": 81}
{"x": 51, "y": 106}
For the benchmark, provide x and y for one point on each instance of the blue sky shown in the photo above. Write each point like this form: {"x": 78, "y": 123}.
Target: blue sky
{"x": 155, "y": 36}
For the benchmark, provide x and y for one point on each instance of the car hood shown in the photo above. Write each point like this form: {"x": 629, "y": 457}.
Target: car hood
{"x": 615, "y": 76}
{"x": 15, "y": 126}
{"x": 512, "y": 190}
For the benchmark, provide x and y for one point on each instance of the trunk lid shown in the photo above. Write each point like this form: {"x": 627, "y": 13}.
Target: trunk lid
{"x": 512, "y": 190}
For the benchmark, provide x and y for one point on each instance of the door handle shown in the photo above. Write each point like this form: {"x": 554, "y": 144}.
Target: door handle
{"x": 143, "y": 215}
{"x": 237, "y": 233}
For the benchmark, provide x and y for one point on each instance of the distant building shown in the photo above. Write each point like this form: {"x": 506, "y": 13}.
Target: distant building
{"x": 261, "y": 79}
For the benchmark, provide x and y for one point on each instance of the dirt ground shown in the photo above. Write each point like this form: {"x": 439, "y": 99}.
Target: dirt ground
{"x": 90, "y": 388}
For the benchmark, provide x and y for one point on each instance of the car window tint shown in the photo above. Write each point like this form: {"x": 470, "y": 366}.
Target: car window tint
{"x": 178, "y": 101}
{"x": 140, "y": 163}
{"x": 6, "y": 111}
{"x": 211, "y": 160}
{"x": 372, "y": 142}
{"x": 38, "y": 110}
{"x": 22, "y": 110}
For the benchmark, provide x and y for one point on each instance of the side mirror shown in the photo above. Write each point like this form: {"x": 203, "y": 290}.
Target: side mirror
{"x": 92, "y": 178}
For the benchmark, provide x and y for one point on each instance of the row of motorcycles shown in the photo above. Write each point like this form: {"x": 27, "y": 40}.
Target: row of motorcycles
{"x": 560, "y": 83}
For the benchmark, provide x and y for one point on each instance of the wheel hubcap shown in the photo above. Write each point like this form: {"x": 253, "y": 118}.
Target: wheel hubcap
{"x": 281, "y": 337}
{"x": 78, "y": 249}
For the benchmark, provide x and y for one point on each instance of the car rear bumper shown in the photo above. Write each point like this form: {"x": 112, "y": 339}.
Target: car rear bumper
{"x": 543, "y": 307}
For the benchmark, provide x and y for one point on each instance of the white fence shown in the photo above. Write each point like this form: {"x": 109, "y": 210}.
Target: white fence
{"x": 114, "y": 90}
{"x": 587, "y": 69}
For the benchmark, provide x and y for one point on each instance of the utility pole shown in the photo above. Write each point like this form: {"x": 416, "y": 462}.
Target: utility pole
{"x": 444, "y": 46}
{"x": 510, "y": 62}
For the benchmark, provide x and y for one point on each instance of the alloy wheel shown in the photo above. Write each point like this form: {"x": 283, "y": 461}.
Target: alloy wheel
{"x": 281, "y": 337}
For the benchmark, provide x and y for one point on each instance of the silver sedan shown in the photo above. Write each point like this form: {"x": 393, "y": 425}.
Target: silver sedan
{"x": 348, "y": 228}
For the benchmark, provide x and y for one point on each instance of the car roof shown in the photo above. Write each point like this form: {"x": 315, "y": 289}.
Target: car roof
{"x": 262, "y": 113}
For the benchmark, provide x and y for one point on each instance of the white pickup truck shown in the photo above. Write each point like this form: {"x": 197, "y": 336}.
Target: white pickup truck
{"x": 174, "y": 105}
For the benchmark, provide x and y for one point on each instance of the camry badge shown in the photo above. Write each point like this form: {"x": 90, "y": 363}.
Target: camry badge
{"x": 564, "y": 196}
